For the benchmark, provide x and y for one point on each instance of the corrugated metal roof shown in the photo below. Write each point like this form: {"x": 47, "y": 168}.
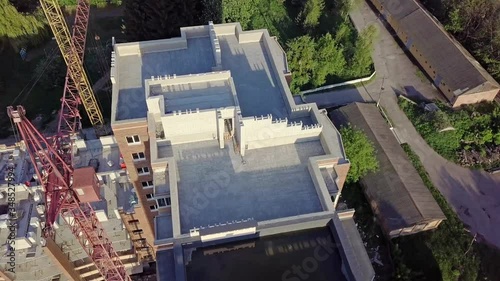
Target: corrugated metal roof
{"x": 396, "y": 192}
{"x": 458, "y": 68}
{"x": 399, "y": 9}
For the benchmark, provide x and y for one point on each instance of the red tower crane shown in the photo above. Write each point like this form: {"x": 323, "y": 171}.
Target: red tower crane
{"x": 69, "y": 191}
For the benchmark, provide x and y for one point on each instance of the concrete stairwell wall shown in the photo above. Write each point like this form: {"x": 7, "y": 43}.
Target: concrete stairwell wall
{"x": 215, "y": 46}
{"x": 263, "y": 132}
{"x": 202, "y": 126}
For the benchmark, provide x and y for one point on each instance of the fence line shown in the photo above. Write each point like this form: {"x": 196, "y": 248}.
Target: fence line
{"x": 355, "y": 81}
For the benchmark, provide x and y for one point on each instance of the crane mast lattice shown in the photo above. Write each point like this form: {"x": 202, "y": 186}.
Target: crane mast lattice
{"x": 70, "y": 53}
{"x": 52, "y": 157}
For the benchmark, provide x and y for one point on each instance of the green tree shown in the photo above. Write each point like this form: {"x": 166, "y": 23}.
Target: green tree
{"x": 21, "y": 29}
{"x": 301, "y": 60}
{"x": 330, "y": 60}
{"x": 311, "y": 12}
{"x": 240, "y": 11}
{"x": 360, "y": 152}
{"x": 455, "y": 24}
{"x": 476, "y": 25}
{"x": 346, "y": 6}
{"x": 361, "y": 61}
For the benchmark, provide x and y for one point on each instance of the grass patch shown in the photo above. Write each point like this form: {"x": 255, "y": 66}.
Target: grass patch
{"x": 420, "y": 75}
{"x": 448, "y": 245}
{"x": 474, "y": 128}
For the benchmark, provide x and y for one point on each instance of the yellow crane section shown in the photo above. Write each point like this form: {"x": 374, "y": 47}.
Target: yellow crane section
{"x": 61, "y": 32}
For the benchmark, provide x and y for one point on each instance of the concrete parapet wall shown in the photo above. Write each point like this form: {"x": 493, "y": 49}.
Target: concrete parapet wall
{"x": 168, "y": 80}
{"x": 296, "y": 223}
{"x": 162, "y": 45}
{"x": 282, "y": 83}
{"x": 226, "y": 28}
{"x": 109, "y": 141}
{"x": 233, "y": 93}
{"x": 215, "y": 45}
{"x": 136, "y": 48}
{"x": 202, "y": 125}
{"x": 113, "y": 70}
{"x": 248, "y": 36}
{"x": 195, "y": 31}
{"x": 265, "y": 132}
{"x": 356, "y": 263}
{"x": 319, "y": 183}
{"x": 174, "y": 178}
{"x": 300, "y": 111}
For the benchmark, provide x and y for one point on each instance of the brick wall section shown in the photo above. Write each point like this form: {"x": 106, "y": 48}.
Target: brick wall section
{"x": 143, "y": 213}
{"x": 475, "y": 98}
{"x": 341, "y": 170}
{"x": 145, "y": 250}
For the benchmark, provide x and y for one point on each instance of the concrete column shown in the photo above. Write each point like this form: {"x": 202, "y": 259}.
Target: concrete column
{"x": 336, "y": 201}
{"x": 220, "y": 125}
{"x": 232, "y": 126}
{"x": 242, "y": 139}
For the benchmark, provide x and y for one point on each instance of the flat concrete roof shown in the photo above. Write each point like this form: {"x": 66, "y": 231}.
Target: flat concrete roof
{"x": 201, "y": 95}
{"x": 197, "y": 58}
{"x": 116, "y": 192}
{"x": 108, "y": 156}
{"x": 255, "y": 83}
{"x": 272, "y": 183}
{"x": 163, "y": 226}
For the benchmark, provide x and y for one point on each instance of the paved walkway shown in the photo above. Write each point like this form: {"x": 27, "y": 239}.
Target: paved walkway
{"x": 474, "y": 195}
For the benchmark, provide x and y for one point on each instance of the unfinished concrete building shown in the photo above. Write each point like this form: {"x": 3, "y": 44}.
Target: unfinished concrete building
{"x": 36, "y": 258}
{"x": 218, "y": 151}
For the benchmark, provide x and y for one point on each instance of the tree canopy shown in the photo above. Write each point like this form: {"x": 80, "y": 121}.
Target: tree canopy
{"x": 476, "y": 25}
{"x": 360, "y": 152}
{"x": 475, "y": 128}
{"x": 313, "y": 62}
{"x": 311, "y": 12}
{"x": 21, "y": 29}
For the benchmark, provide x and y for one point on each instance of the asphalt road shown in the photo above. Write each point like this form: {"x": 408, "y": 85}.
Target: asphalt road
{"x": 473, "y": 194}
